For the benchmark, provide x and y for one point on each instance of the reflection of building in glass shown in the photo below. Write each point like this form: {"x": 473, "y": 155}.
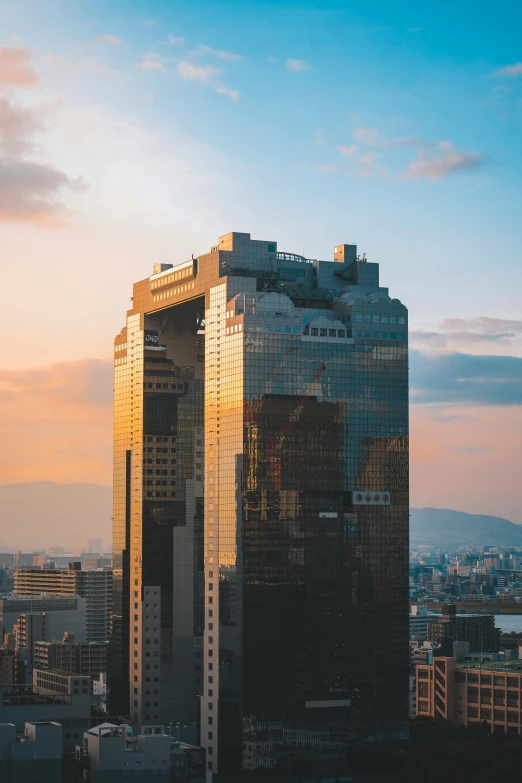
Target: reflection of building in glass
{"x": 298, "y": 369}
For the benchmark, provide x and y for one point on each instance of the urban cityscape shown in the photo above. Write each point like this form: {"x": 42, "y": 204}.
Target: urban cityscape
{"x": 260, "y": 498}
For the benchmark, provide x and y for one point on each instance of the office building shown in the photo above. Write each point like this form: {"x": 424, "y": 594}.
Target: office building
{"x": 62, "y": 614}
{"x": 83, "y": 658}
{"x": 94, "y": 586}
{"x": 36, "y": 755}
{"x": 477, "y": 629}
{"x": 472, "y": 693}
{"x": 279, "y": 384}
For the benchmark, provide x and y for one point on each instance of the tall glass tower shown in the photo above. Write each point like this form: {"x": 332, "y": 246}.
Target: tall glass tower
{"x": 278, "y": 596}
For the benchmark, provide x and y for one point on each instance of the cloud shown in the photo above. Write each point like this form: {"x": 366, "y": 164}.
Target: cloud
{"x": 434, "y": 160}
{"x": 84, "y": 382}
{"x": 372, "y": 138}
{"x": 29, "y": 192}
{"x": 221, "y": 54}
{"x": 465, "y": 378}
{"x": 148, "y": 63}
{"x": 468, "y": 449}
{"x": 56, "y": 421}
{"x": 451, "y": 418}
{"x": 510, "y": 71}
{"x": 233, "y": 94}
{"x": 448, "y": 161}
{"x": 112, "y": 40}
{"x": 14, "y": 68}
{"x": 82, "y": 64}
{"x": 18, "y": 125}
{"x": 197, "y": 73}
{"x": 149, "y": 23}
{"x": 173, "y": 40}
{"x": 296, "y": 65}
{"x": 347, "y": 151}
{"x": 206, "y": 74}
{"x": 470, "y": 334}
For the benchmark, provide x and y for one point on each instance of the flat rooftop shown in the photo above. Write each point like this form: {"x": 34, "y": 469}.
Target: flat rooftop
{"x": 501, "y": 666}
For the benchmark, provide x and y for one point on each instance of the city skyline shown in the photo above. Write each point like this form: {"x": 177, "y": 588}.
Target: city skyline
{"x": 384, "y": 126}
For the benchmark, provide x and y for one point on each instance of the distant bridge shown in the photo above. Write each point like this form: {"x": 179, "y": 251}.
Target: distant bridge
{"x": 475, "y": 607}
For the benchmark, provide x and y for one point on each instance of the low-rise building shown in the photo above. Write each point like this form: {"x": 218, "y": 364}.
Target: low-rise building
{"x": 468, "y": 693}
{"x": 36, "y": 755}
{"x": 52, "y": 696}
{"x": 111, "y": 754}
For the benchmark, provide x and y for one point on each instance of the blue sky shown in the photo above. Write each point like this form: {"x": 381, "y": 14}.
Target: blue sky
{"x": 165, "y": 124}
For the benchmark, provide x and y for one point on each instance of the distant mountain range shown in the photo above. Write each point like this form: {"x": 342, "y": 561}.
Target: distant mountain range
{"x": 41, "y": 514}
{"x": 440, "y": 526}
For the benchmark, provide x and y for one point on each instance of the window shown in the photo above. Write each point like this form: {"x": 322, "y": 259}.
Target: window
{"x": 376, "y": 319}
{"x": 323, "y": 332}
{"x": 358, "y": 317}
{"x": 401, "y": 320}
{"x": 314, "y": 332}
{"x": 341, "y": 333}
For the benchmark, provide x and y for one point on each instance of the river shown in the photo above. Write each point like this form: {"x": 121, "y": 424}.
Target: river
{"x": 509, "y": 623}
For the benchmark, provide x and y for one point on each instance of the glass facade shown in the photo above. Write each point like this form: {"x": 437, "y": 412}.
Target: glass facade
{"x": 297, "y": 586}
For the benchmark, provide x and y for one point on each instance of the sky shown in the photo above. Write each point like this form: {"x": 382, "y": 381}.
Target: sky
{"x": 136, "y": 132}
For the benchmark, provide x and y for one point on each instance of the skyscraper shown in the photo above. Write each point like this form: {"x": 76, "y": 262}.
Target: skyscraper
{"x": 279, "y": 384}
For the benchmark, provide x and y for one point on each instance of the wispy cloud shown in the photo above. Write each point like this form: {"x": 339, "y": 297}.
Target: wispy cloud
{"x": 105, "y": 38}
{"x": 451, "y": 418}
{"x": 152, "y": 62}
{"x": 15, "y": 69}
{"x": 220, "y": 53}
{"x": 446, "y": 160}
{"x": 372, "y": 138}
{"x": 468, "y": 449}
{"x": 471, "y": 334}
{"x": 296, "y": 65}
{"x": 433, "y": 161}
{"x": 94, "y": 64}
{"x": 28, "y": 192}
{"x": 149, "y": 23}
{"x": 206, "y": 74}
{"x": 173, "y": 40}
{"x": 348, "y": 150}
{"x": 513, "y": 71}
{"x": 197, "y": 73}
{"x": 466, "y": 379}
